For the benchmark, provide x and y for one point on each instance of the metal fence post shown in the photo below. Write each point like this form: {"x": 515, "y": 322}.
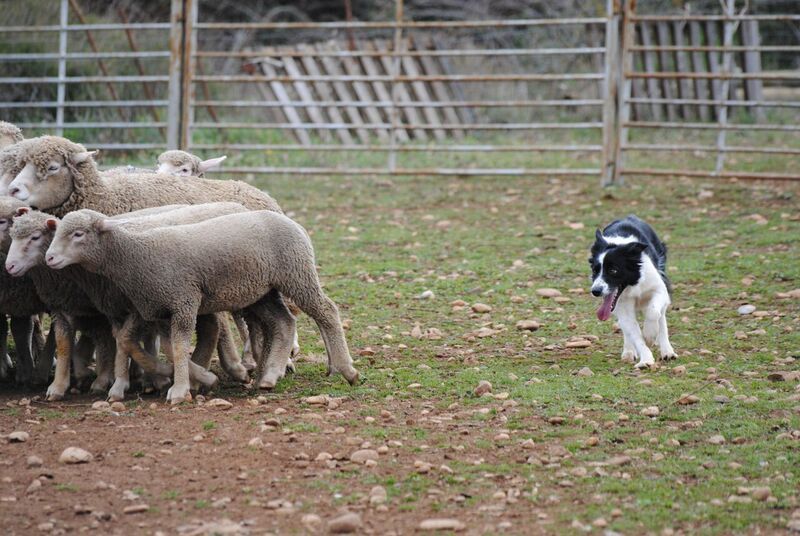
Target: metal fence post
{"x": 610, "y": 92}
{"x": 625, "y": 84}
{"x": 175, "y": 86}
{"x": 62, "y": 67}
{"x": 727, "y": 68}
{"x": 188, "y": 64}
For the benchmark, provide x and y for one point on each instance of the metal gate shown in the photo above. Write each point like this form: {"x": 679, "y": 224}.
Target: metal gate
{"x": 406, "y": 97}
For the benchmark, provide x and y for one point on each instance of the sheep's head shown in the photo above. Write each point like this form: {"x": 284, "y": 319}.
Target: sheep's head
{"x": 8, "y": 209}
{"x": 30, "y": 237}
{"x": 185, "y": 164}
{"x": 9, "y": 167}
{"x": 77, "y": 239}
{"x": 9, "y": 134}
{"x": 49, "y": 166}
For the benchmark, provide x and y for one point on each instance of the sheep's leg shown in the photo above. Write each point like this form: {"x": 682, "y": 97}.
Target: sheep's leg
{"x": 244, "y": 337}
{"x": 105, "y": 361}
{"x": 208, "y": 331}
{"x": 121, "y": 372}
{"x": 81, "y": 358}
{"x": 22, "y": 331}
{"x": 44, "y": 349}
{"x": 313, "y": 301}
{"x": 279, "y": 330}
{"x": 150, "y": 344}
{"x": 180, "y": 336}
{"x": 229, "y": 358}
{"x": 65, "y": 339}
{"x": 5, "y": 360}
{"x": 295, "y": 310}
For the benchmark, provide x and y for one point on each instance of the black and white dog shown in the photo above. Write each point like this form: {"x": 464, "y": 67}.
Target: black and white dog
{"x": 629, "y": 271}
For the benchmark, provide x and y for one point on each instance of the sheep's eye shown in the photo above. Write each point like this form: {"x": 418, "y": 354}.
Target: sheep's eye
{"x": 77, "y": 234}
{"x": 3, "y": 221}
{"x": 36, "y": 237}
{"x": 185, "y": 170}
{"x": 54, "y": 167}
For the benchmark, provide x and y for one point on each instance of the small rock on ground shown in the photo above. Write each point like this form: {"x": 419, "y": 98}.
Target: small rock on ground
{"x": 483, "y": 388}
{"x": 345, "y": 523}
{"x": 442, "y": 524}
{"x": 72, "y": 455}
{"x": 18, "y": 437}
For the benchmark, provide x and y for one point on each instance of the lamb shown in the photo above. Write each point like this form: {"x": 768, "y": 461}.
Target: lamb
{"x": 18, "y": 299}
{"x": 243, "y": 261}
{"x": 186, "y": 164}
{"x": 59, "y": 176}
{"x": 9, "y": 134}
{"x": 72, "y": 311}
{"x": 31, "y": 238}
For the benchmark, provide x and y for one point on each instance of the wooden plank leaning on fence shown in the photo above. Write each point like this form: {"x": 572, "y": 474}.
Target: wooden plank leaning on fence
{"x": 343, "y": 93}
{"x": 409, "y": 112}
{"x": 699, "y": 64}
{"x": 667, "y": 64}
{"x": 325, "y": 92}
{"x": 352, "y": 68}
{"x": 381, "y": 91}
{"x": 440, "y": 90}
{"x": 305, "y": 92}
{"x": 268, "y": 67}
{"x": 683, "y": 64}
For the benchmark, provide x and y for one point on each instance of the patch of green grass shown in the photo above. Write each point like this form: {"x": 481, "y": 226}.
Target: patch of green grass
{"x": 380, "y": 243}
{"x": 66, "y": 486}
{"x": 209, "y": 425}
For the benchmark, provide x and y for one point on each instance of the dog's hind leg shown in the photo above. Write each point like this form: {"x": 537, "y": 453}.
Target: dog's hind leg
{"x": 626, "y": 315}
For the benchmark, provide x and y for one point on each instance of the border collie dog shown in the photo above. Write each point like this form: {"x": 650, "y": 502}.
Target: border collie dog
{"x": 629, "y": 272}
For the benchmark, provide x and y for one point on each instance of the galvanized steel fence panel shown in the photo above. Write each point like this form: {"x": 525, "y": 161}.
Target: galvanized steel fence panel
{"x": 390, "y": 98}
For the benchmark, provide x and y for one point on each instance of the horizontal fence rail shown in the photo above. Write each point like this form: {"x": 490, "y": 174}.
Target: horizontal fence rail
{"x": 629, "y": 93}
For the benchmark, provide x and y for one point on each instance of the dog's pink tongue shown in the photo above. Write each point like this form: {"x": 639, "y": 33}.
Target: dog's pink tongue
{"x": 604, "y": 312}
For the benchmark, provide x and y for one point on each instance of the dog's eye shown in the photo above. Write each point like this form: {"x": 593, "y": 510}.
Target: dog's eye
{"x": 613, "y": 271}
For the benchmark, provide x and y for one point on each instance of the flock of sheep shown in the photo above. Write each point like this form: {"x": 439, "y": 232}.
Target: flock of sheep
{"x": 124, "y": 259}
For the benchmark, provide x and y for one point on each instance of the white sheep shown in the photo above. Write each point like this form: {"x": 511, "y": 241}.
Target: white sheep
{"x": 32, "y": 236}
{"x": 241, "y": 261}
{"x": 185, "y": 164}
{"x": 58, "y": 176}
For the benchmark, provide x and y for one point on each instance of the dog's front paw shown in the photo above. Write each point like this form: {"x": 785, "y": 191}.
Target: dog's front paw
{"x": 668, "y": 353}
{"x": 645, "y": 363}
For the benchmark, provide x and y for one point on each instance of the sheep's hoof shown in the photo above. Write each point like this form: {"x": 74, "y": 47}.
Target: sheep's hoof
{"x": 351, "y": 376}
{"x": 239, "y": 374}
{"x": 290, "y": 367}
{"x": 55, "y": 397}
{"x": 267, "y": 385}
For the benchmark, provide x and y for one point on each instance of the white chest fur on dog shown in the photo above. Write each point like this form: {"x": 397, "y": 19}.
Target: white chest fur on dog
{"x": 631, "y": 285}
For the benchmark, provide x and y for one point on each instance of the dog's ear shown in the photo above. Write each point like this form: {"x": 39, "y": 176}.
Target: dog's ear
{"x": 634, "y": 248}
{"x": 598, "y": 235}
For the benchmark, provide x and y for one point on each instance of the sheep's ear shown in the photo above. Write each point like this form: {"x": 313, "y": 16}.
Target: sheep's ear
{"x": 211, "y": 163}
{"x": 22, "y": 210}
{"x": 79, "y": 158}
{"x": 108, "y": 224}
{"x": 51, "y": 223}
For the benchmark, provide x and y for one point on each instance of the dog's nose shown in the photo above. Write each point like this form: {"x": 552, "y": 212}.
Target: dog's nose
{"x": 596, "y": 292}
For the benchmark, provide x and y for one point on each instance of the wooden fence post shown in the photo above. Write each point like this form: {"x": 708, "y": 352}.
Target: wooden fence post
{"x": 190, "y": 8}
{"x": 623, "y": 99}
{"x": 61, "y": 91}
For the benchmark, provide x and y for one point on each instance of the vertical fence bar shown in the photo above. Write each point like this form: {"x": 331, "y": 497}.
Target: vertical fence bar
{"x": 61, "y": 92}
{"x": 623, "y": 99}
{"x": 398, "y": 43}
{"x": 190, "y": 8}
{"x": 727, "y": 68}
{"x": 610, "y": 93}
{"x": 175, "y": 86}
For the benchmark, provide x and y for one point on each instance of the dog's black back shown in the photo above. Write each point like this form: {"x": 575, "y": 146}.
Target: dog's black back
{"x": 634, "y": 226}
